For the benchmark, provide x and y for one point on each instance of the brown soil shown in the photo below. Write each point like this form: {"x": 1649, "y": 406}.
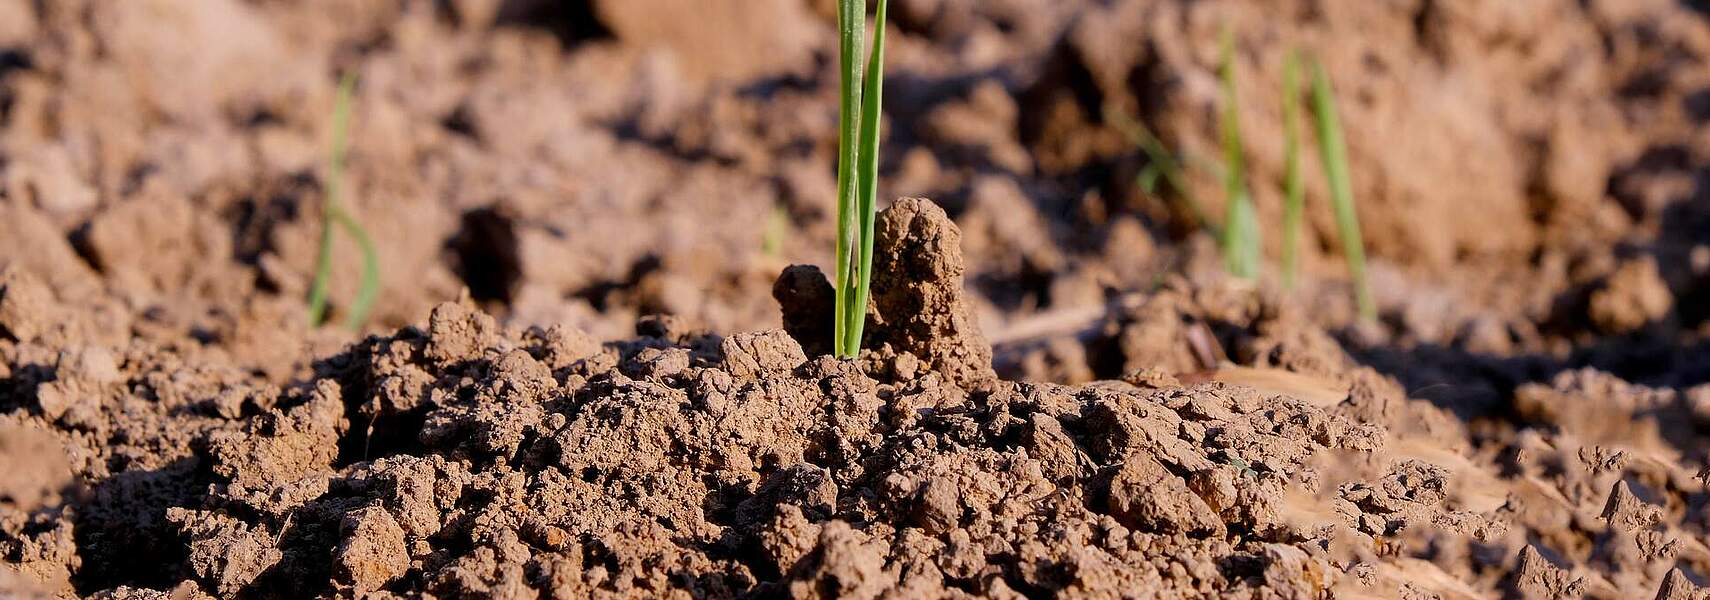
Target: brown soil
{"x": 587, "y": 377}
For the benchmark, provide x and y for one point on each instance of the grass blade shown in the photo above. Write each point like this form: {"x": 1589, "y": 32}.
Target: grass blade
{"x": 1162, "y": 165}
{"x": 1335, "y": 154}
{"x": 867, "y": 156}
{"x": 777, "y": 226}
{"x": 333, "y": 216}
{"x": 1294, "y": 188}
{"x": 323, "y": 275}
{"x": 1241, "y": 229}
{"x": 851, "y": 19}
{"x": 329, "y": 203}
{"x": 1148, "y": 178}
{"x": 370, "y": 290}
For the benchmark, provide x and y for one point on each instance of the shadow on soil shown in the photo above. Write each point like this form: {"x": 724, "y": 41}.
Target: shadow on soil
{"x": 121, "y": 530}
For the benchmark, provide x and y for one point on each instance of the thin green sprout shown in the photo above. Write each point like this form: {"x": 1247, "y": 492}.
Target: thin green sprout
{"x": 1162, "y": 165}
{"x": 1335, "y": 154}
{"x": 857, "y": 168}
{"x": 1148, "y": 178}
{"x": 1241, "y": 231}
{"x": 333, "y": 215}
{"x": 1294, "y": 187}
{"x": 777, "y": 226}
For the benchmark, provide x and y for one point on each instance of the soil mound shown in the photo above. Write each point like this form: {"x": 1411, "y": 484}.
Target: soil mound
{"x": 463, "y": 459}
{"x": 919, "y": 308}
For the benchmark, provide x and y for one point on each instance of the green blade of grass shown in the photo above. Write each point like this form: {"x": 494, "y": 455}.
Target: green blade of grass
{"x": 370, "y": 289}
{"x": 323, "y": 276}
{"x": 1148, "y": 178}
{"x": 1161, "y": 164}
{"x": 1335, "y": 154}
{"x": 329, "y": 203}
{"x": 868, "y": 175}
{"x": 851, "y": 19}
{"x": 1241, "y": 228}
{"x": 777, "y": 226}
{"x": 333, "y": 216}
{"x": 1294, "y": 188}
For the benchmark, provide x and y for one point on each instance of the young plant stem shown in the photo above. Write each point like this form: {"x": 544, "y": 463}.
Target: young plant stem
{"x": 872, "y": 93}
{"x": 369, "y": 290}
{"x": 1163, "y": 164}
{"x": 323, "y": 272}
{"x": 851, "y": 20}
{"x": 857, "y": 169}
{"x": 777, "y": 226}
{"x": 1294, "y": 187}
{"x": 333, "y": 216}
{"x": 1241, "y": 225}
{"x": 1335, "y": 156}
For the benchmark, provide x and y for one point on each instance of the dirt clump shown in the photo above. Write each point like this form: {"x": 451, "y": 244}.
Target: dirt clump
{"x": 1634, "y": 295}
{"x": 1145, "y": 496}
{"x": 37, "y": 473}
{"x": 918, "y": 303}
{"x": 805, "y": 296}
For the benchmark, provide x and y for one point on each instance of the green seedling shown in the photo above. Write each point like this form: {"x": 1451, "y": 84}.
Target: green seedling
{"x": 1161, "y": 165}
{"x": 777, "y": 227}
{"x": 1294, "y": 187}
{"x": 1238, "y": 237}
{"x": 1241, "y": 228}
{"x": 857, "y": 167}
{"x": 334, "y": 216}
{"x": 1334, "y": 151}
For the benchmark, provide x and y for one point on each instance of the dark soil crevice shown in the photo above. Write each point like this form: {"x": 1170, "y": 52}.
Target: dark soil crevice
{"x": 573, "y": 22}
{"x": 124, "y": 520}
{"x": 485, "y": 252}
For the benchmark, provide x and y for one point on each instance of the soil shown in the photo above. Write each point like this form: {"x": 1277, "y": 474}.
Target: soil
{"x": 597, "y": 366}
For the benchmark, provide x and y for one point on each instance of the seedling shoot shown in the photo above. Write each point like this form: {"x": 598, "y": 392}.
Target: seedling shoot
{"x": 334, "y": 215}
{"x": 860, "y": 93}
